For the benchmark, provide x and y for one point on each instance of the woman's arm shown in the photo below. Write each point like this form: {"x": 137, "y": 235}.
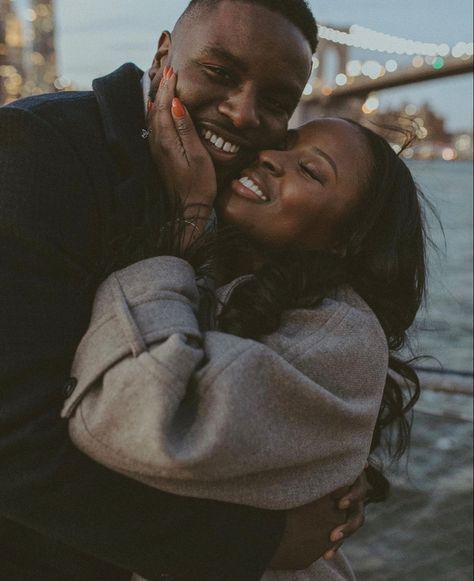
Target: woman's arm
{"x": 216, "y": 416}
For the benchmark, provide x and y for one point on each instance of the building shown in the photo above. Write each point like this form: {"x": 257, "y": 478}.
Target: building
{"x": 12, "y": 73}
{"x": 27, "y": 51}
{"x": 42, "y": 69}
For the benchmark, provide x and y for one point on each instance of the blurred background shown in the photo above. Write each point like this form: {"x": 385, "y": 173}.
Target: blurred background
{"x": 407, "y": 63}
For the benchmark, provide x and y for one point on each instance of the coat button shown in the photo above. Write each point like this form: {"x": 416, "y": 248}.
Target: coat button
{"x": 70, "y": 386}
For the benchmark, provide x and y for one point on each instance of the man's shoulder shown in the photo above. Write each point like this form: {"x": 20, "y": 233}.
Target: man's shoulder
{"x": 51, "y": 101}
{"x": 59, "y": 110}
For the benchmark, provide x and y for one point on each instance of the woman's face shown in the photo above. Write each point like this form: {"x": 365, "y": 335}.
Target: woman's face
{"x": 301, "y": 196}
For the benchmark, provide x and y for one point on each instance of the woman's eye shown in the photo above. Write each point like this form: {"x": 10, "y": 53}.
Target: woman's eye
{"x": 311, "y": 172}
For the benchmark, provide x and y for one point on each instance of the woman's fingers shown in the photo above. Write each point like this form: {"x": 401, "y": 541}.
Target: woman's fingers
{"x": 174, "y": 121}
{"x": 161, "y": 118}
{"x": 188, "y": 135}
{"x": 186, "y": 169}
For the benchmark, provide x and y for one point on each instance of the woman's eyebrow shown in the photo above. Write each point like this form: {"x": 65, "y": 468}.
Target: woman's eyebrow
{"x": 327, "y": 157}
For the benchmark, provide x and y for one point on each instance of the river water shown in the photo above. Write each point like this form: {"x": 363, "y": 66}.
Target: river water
{"x": 445, "y": 326}
{"x": 424, "y": 532}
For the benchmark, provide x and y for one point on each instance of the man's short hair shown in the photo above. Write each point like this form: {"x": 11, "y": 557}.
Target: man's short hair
{"x": 295, "y": 11}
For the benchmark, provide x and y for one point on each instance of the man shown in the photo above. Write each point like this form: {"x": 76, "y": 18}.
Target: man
{"x": 75, "y": 175}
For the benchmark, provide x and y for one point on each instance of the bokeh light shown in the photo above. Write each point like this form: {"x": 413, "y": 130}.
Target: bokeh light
{"x": 449, "y": 154}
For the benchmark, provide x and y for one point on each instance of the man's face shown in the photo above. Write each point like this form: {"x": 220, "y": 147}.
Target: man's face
{"x": 241, "y": 70}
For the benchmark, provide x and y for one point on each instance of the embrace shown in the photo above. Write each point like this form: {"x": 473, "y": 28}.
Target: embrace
{"x": 201, "y": 313}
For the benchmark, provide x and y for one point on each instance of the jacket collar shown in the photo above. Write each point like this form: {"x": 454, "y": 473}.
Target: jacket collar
{"x": 120, "y": 99}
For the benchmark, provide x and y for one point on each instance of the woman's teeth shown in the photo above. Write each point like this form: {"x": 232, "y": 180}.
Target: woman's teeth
{"x": 251, "y": 185}
{"x": 219, "y": 142}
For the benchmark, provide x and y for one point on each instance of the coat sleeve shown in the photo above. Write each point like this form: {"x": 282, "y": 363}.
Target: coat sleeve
{"x": 209, "y": 414}
{"x": 49, "y": 225}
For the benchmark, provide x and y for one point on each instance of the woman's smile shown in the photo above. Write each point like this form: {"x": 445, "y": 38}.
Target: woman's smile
{"x": 251, "y": 188}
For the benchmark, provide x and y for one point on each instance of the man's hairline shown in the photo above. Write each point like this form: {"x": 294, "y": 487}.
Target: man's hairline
{"x": 209, "y": 7}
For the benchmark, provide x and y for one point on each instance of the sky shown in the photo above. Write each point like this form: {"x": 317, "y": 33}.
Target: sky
{"x": 94, "y": 37}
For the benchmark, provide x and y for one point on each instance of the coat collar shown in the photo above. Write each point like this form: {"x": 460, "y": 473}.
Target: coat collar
{"x": 120, "y": 99}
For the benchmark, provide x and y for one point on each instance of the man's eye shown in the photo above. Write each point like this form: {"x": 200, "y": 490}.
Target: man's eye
{"x": 276, "y": 105}
{"x": 219, "y": 72}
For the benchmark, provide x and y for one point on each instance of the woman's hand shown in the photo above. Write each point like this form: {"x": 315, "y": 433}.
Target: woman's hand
{"x": 184, "y": 164}
{"x": 318, "y": 529}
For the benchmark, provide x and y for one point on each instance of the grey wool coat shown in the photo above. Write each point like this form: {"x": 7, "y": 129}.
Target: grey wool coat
{"x": 273, "y": 424}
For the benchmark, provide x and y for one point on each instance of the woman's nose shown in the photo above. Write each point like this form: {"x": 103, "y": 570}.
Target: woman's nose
{"x": 241, "y": 108}
{"x": 273, "y": 161}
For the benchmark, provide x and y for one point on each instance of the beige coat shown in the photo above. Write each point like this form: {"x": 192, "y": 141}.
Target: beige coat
{"x": 272, "y": 424}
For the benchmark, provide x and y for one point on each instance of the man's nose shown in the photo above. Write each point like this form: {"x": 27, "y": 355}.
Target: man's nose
{"x": 273, "y": 161}
{"x": 241, "y": 108}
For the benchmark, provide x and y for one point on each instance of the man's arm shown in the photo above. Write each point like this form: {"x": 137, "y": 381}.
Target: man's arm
{"x": 49, "y": 231}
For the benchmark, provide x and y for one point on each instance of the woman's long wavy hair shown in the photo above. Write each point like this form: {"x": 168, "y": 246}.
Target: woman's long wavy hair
{"x": 384, "y": 262}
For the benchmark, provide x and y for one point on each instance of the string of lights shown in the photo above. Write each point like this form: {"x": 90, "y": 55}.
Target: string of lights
{"x": 368, "y": 39}
{"x": 431, "y": 54}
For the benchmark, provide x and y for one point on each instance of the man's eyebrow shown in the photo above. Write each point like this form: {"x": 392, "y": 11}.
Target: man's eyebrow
{"x": 289, "y": 88}
{"x": 327, "y": 157}
{"x": 217, "y": 51}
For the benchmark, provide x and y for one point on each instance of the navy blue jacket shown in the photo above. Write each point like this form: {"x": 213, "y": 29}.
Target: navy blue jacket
{"x": 70, "y": 166}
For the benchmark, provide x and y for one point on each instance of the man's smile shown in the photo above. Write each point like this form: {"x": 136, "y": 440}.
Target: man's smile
{"x": 223, "y": 145}
{"x": 218, "y": 142}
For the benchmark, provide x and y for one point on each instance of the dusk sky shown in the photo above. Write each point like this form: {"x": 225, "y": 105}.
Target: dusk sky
{"x": 96, "y": 36}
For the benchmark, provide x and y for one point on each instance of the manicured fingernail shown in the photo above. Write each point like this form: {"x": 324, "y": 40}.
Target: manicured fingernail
{"x": 165, "y": 72}
{"x": 169, "y": 73}
{"x": 178, "y": 108}
{"x": 149, "y": 105}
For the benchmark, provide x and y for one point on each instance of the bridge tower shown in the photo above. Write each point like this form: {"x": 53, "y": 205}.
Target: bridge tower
{"x": 325, "y": 51}
{"x": 331, "y": 60}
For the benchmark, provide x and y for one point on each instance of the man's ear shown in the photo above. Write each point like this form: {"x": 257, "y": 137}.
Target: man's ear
{"x": 162, "y": 52}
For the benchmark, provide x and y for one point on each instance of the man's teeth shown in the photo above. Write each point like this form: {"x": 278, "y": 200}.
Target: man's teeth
{"x": 219, "y": 142}
{"x": 251, "y": 185}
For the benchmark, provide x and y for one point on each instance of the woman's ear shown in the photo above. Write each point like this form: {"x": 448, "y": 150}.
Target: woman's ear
{"x": 160, "y": 59}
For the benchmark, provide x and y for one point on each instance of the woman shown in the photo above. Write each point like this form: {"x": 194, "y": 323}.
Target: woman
{"x": 276, "y": 393}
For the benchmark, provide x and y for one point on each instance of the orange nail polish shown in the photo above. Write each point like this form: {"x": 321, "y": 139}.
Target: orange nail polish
{"x": 149, "y": 105}
{"x": 178, "y": 108}
{"x": 169, "y": 73}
